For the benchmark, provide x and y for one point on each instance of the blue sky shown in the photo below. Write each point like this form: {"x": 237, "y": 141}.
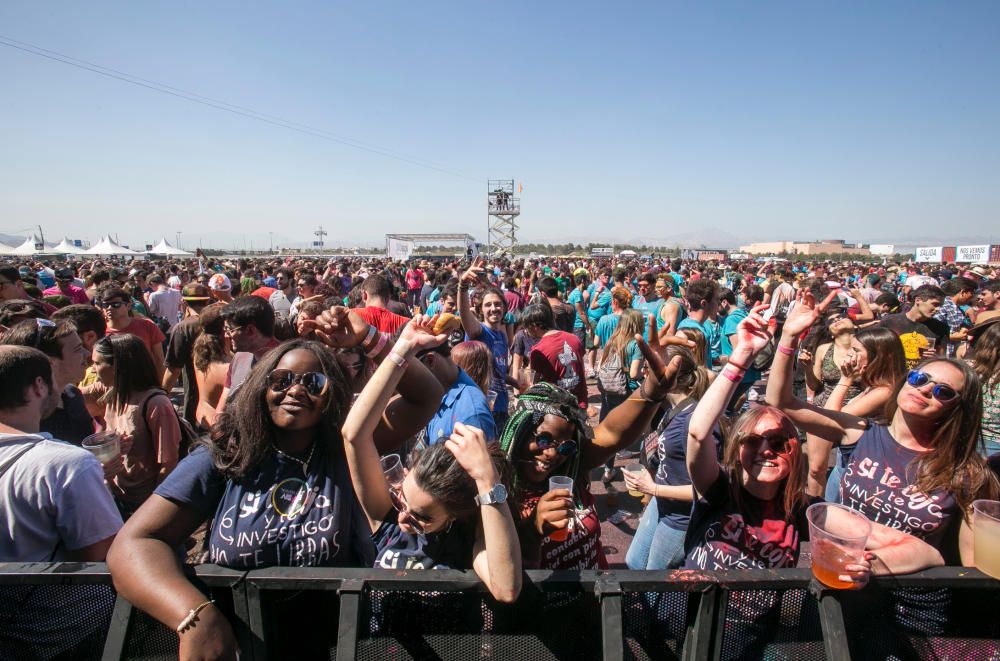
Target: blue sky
{"x": 864, "y": 121}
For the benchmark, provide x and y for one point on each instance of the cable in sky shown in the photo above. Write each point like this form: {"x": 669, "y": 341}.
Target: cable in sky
{"x": 221, "y": 105}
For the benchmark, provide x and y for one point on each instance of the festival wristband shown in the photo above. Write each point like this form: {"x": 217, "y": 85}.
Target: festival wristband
{"x": 400, "y": 361}
{"x": 365, "y": 343}
{"x": 193, "y": 615}
{"x": 383, "y": 338}
{"x": 733, "y": 376}
{"x": 736, "y": 365}
{"x": 788, "y": 351}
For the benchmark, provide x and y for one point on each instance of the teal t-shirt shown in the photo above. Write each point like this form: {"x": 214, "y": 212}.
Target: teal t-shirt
{"x": 575, "y": 296}
{"x": 733, "y": 320}
{"x": 603, "y": 303}
{"x": 605, "y": 327}
{"x": 713, "y": 337}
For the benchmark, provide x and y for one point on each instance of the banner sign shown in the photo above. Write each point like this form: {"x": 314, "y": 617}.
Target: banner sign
{"x": 882, "y": 249}
{"x": 973, "y": 254}
{"x": 930, "y": 254}
{"x": 398, "y": 250}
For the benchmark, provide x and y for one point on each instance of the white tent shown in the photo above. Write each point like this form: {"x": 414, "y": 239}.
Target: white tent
{"x": 6, "y": 250}
{"x": 30, "y": 247}
{"x": 108, "y": 247}
{"x": 67, "y": 248}
{"x": 164, "y": 248}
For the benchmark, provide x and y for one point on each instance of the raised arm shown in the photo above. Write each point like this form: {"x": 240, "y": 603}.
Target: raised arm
{"x": 752, "y": 335}
{"x": 473, "y": 327}
{"x": 833, "y": 426}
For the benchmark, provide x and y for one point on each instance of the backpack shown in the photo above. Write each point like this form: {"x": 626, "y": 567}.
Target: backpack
{"x": 611, "y": 377}
{"x": 189, "y": 437}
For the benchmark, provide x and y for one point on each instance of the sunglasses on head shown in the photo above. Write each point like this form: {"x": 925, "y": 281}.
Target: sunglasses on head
{"x": 280, "y": 380}
{"x": 544, "y": 440}
{"x": 399, "y": 503}
{"x": 777, "y": 443}
{"x": 942, "y": 392}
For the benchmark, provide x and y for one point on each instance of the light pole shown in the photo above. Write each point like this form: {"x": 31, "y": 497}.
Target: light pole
{"x": 270, "y": 242}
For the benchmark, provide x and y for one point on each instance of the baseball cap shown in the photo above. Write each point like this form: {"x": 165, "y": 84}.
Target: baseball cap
{"x": 196, "y": 292}
{"x": 64, "y": 274}
{"x": 220, "y": 282}
{"x": 174, "y": 282}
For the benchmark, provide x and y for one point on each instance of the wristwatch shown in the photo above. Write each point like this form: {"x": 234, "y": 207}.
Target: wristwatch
{"x": 495, "y": 496}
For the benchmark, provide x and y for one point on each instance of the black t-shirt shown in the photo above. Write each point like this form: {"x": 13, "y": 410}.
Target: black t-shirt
{"x": 522, "y": 345}
{"x": 564, "y": 315}
{"x": 179, "y": 354}
{"x": 71, "y": 423}
{"x": 449, "y": 549}
{"x": 914, "y": 334}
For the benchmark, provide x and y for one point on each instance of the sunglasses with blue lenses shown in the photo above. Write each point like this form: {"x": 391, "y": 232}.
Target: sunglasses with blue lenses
{"x": 544, "y": 440}
{"x": 942, "y": 392}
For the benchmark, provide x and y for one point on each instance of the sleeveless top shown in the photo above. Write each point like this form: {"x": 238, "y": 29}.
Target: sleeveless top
{"x": 830, "y": 375}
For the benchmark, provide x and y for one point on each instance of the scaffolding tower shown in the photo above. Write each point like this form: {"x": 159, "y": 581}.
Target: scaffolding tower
{"x": 502, "y": 209}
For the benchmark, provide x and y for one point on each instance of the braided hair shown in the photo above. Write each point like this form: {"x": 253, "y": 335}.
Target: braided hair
{"x": 528, "y": 413}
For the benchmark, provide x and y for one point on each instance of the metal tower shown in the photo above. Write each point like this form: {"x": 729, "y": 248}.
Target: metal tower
{"x": 502, "y": 209}
{"x": 320, "y": 233}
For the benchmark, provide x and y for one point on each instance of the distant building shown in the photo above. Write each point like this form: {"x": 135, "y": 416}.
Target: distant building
{"x": 828, "y": 246}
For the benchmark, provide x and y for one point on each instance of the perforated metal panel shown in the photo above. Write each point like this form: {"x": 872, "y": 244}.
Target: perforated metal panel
{"x": 772, "y": 625}
{"x": 653, "y": 624}
{"x": 46, "y": 621}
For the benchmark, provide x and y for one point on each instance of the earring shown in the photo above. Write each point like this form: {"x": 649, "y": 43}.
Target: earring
{"x": 450, "y": 523}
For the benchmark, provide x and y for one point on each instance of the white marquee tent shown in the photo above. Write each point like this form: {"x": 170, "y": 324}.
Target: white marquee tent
{"x": 164, "y": 248}
{"x": 6, "y": 250}
{"x": 66, "y": 248}
{"x": 108, "y": 247}
{"x": 30, "y": 247}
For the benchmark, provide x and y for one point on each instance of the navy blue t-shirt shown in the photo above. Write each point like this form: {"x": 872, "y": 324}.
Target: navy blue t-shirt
{"x": 496, "y": 340}
{"x": 671, "y": 446}
{"x": 280, "y": 517}
{"x": 395, "y": 549}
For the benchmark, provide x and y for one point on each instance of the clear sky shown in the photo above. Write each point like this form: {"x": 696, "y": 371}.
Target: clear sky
{"x": 761, "y": 120}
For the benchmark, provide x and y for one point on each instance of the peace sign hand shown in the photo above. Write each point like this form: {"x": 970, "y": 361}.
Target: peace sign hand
{"x": 805, "y": 313}
{"x": 474, "y": 272}
{"x": 660, "y": 375}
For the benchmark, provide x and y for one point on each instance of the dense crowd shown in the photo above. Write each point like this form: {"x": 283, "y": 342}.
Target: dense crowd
{"x": 369, "y": 413}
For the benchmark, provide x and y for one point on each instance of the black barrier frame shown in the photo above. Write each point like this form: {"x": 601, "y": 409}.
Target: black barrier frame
{"x": 707, "y": 592}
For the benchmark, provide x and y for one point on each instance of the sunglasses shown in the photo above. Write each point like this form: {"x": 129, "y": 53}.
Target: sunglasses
{"x": 399, "y": 503}
{"x": 544, "y": 441}
{"x": 280, "y": 380}
{"x": 113, "y": 305}
{"x": 39, "y": 325}
{"x": 776, "y": 443}
{"x": 942, "y": 392}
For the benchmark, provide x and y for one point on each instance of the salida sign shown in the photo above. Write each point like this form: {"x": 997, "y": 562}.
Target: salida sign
{"x": 932, "y": 254}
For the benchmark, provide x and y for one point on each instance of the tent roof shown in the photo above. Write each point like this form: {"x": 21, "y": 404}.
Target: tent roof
{"x": 108, "y": 247}
{"x": 6, "y": 250}
{"x": 28, "y": 247}
{"x": 67, "y": 248}
{"x": 164, "y": 248}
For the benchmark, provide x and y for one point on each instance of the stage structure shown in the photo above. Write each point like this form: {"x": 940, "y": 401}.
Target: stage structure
{"x": 503, "y": 210}
{"x": 400, "y": 246}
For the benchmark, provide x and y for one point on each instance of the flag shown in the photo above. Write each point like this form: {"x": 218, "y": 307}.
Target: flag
{"x": 520, "y": 187}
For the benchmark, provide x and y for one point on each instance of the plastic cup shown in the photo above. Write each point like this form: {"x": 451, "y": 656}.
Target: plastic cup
{"x": 838, "y": 535}
{"x": 635, "y": 470}
{"x": 931, "y": 343}
{"x": 104, "y": 445}
{"x": 986, "y": 536}
{"x": 392, "y": 468}
{"x": 561, "y": 482}
{"x": 491, "y": 398}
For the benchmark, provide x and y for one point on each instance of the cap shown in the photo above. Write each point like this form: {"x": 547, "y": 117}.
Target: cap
{"x": 64, "y": 274}
{"x": 174, "y": 282}
{"x": 196, "y": 292}
{"x": 220, "y": 282}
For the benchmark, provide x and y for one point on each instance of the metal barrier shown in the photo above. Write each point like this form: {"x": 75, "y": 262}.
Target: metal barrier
{"x": 946, "y": 613}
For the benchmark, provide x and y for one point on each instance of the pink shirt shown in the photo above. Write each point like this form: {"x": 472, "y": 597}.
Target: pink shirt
{"x": 75, "y": 295}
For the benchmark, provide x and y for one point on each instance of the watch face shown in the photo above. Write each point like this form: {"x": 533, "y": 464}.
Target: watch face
{"x": 498, "y": 494}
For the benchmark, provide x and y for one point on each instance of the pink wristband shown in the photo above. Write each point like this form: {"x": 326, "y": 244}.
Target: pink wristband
{"x": 382, "y": 339}
{"x": 788, "y": 351}
{"x": 400, "y": 361}
{"x": 735, "y": 377}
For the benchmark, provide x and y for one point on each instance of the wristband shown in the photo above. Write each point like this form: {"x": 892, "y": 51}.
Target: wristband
{"x": 735, "y": 377}
{"x": 736, "y": 365}
{"x": 788, "y": 351}
{"x": 193, "y": 615}
{"x": 368, "y": 338}
{"x": 382, "y": 339}
{"x": 400, "y": 361}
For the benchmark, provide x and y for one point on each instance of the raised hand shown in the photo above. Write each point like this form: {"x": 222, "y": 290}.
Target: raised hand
{"x": 468, "y": 444}
{"x": 753, "y": 333}
{"x": 851, "y": 369}
{"x": 660, "y": 375}
{"x": 475, "y": 272}
{"x": 419, "y": 332}
{"x": 805, "y": 313}
{"x": 339, "y": 327}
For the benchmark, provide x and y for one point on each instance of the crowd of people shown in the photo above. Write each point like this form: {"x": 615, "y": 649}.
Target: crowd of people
{"x": 370, "y": 413}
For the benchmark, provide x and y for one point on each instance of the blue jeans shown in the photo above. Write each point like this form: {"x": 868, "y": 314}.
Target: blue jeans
{"x": 655, "y": 545}
{"x": 992, "y": 446}
{"x": 832, "y": 493}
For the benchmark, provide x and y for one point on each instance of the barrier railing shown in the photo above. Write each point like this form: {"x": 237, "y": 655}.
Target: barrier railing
{"x": 285, "y": 612}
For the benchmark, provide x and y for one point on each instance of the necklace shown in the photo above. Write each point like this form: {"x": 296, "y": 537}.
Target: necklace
{"x": 304, "y": 464}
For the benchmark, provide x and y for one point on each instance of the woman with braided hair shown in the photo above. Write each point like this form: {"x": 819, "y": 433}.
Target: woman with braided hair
{"x": 547, "y": 434}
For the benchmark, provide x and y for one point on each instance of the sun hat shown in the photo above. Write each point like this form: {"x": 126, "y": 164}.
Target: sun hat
{"x": 196, "y": 292}
{"x": 220, "y": 282}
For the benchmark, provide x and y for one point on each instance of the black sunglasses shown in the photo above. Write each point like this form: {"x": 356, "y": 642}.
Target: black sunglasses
{"x": 778, "y": 443}
{"x": 942, "y": 392}
{"x": 280, "y": 380}
{"x": 544, "y": 440}
{"x": 114, "y": 305}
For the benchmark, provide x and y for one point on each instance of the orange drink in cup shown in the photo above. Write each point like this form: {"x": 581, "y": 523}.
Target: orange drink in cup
{"x": 838, "y": 535}
{"x": 561, "y": 482}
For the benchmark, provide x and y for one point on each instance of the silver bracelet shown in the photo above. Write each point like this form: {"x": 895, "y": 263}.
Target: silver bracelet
{"x": 193, "y": 615}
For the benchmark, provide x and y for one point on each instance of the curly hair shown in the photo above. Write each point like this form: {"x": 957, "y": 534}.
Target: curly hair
{"x": 243, "y": 435}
